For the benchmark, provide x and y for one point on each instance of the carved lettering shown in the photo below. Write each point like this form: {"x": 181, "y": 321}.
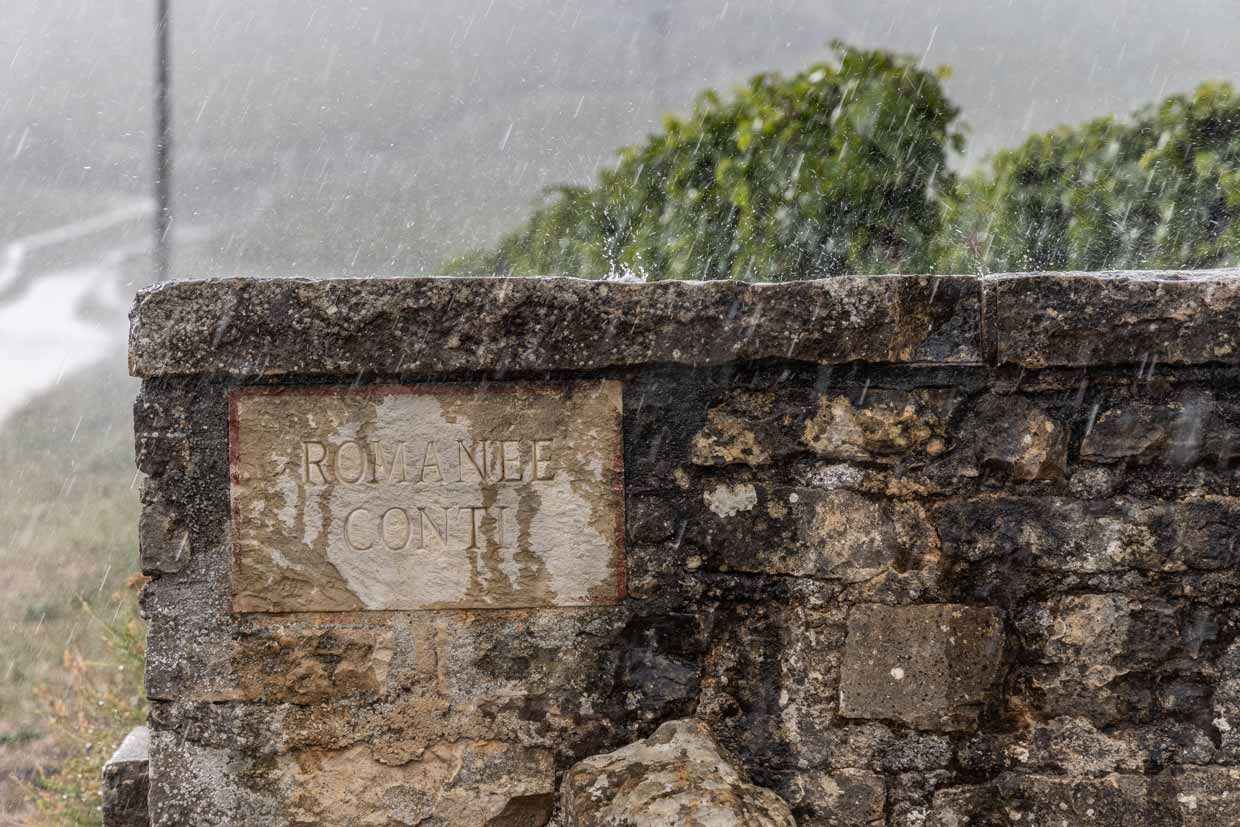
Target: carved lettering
{"x": 316, "y": 462}
{"x": 386, "y": 463}
{"x": 381, "y": 471}
{"x": 396, "y": 528}
{"x": 426, "y": 497}
{"x": 350, "y": 470}
{"x": 542, "y": 460}
{"x": 499, "y": 525}
{"x": 438, "y": 529}
{"x": 348, "y": 531}
{"x": 505, "y": 459}
{"x": 430, "y": 461}
{"x": 473, "y": 525}
{"x": 464, "y": 454}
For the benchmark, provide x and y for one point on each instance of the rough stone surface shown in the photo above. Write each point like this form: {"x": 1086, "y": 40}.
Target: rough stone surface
{"x": 839, "y": 798}
{"x": 678, "y": 776}
{"x": 817, "y": 491}
{"x": 881, "y": 425}
{"x": 1012, "y": 434}
{"x": 1064, "y": 319}
{"x": 253, "y": 327}
{"x": 930, "y": 667}
{"x": 126, "y": 782}
{"x": 1197, "y": 797}
{"x": 1192, "y": 427}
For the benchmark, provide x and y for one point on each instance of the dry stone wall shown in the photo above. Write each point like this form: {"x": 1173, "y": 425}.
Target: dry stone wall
{"x": 911, "y": 551}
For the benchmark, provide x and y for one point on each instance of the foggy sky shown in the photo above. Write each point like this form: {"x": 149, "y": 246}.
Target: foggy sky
{"x": 320, "y": 137}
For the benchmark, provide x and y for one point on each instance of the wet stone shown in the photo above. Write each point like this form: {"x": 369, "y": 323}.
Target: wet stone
{"x": 1134, "y": 318}
{"x": 833, "y": 534}
{"x": 1014, "y": 436}
{"x": 247, "y": 327}
{"x": 163, "y": 543}
{"x": 840, "y": 798}
{"x": 882, "y": 425}
{"x": 879, "y": 425}
{"x": 679, "y": 775}
{"x": 1194, "y": 428}
{"x": 1090, "y": 536}
{"x": 930, "y": 667}
{"x": 904, "y": 580}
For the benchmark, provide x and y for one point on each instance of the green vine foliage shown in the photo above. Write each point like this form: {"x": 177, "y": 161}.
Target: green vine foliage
{"x": 1161, "y": 190}
{"x": 836, "y": 169}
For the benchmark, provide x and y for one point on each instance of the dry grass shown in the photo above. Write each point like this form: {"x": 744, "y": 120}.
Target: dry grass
{"x": 87, "y": 716}
{"x": 67, "y": 545}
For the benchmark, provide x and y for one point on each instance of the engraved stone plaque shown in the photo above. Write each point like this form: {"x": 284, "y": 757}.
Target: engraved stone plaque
{"x": 426, "y": 496}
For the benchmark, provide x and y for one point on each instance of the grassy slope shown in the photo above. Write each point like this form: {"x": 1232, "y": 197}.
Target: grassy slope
{"x": 67, "y": 535}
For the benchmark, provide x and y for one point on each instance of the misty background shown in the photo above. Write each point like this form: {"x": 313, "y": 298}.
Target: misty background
{"x": 327, "y": 138}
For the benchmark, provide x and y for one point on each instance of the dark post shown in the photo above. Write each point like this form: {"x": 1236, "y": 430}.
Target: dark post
{"x": 163, "y": 140}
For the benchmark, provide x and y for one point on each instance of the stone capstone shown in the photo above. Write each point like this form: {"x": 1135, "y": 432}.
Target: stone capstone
{"x": 678, "y": 777}
{"x": 1071, "y": 319}
{"x": 270, "y": 327}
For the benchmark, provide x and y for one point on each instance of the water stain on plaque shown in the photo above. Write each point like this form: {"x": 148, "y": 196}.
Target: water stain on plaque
{"x": 427, "y": 496}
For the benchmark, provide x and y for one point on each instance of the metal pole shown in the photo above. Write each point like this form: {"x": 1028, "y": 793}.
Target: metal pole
{"x": 163, "y": 140}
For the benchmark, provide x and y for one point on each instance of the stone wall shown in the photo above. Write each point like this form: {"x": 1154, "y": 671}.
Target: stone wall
{"x": 920, "y": 552}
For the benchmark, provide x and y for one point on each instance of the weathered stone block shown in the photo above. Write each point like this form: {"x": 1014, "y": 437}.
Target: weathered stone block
{"x": 679, "y": 775}
{"x": 1190, "y": 797}
{"x": 163, "y": 541}
{"x": 879, "y": 425}
{"x": 1110, "y": 657}
{"x": 859, "y": 423}
{"x": 1012, "y": 434}
{"x": 1042, "y": 320}
{"x": 190, "y": 642}
{"x": 770, "y": 681}
{"x": 1067, "y": 745}
{"x": 1092, "y": 536}
{"x": 162, "y": 454}
{"x": 459, "y": 783}
{"x": 126, "y": 782}
{"x": 1202, "y": 796}
{"x": 740, "y": 431}
{"x": 269, "y": 327}
{"x": 840, "y": 798}
{"x": 930, "y": 667}
{"x": 1017, "y": 799}
{"x": 910, "y": 794}
{"x": 1194, "y": 428}
{"x": 833, "y": 534}
{"x": 287, "y": 661}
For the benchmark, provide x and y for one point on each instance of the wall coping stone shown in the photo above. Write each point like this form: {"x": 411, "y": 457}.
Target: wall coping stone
{"x": 246, "y": 328}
